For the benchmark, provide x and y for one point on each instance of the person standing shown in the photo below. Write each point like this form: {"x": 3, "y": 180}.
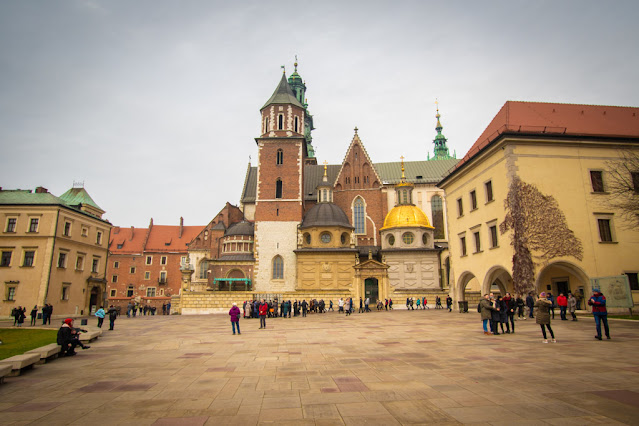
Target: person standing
{"x": 235, "y": 318}
{"x": 552, "y": 301}
{"x": 486, "y": 309}
{"x": 168, "y": 308}
{"x": 510, "y": 306}
{"x": 304, "y": 307}
{"x": 520, "y": 307}
{"x": 419, "y": 302}
{"x": 572, "y": 306}
{"x": 129, "y": 306}
{"x": 34, "y": 315}
{"x": 530, "y": 303}
{"x": 390, "y": 304}
{"x": 100, "y": 315}
{"x": 19, "y": 316}
{"x": 543, "y": 306}
{"x": 562, "y": 302}
{"x": 113, "y": 314}
{"x": 599, "y": 311}
{"x": 449, "y": 303}
{"x": 263, "y": 309}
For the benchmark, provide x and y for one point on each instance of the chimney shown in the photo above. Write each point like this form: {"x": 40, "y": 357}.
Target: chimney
{"x": 132, "y": 230}
{"x": 116, "y": 230}
{"x": 151, "y": 224}
{"x": 181, "y": 226}
{"x": 41, "y": 190}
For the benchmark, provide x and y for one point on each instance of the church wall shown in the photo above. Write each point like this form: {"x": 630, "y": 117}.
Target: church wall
{"x": 325, "y": 271}
{"x": 375, "y": 202}
{"x": 412, "y": 271}
{"x": 272, "y": 239}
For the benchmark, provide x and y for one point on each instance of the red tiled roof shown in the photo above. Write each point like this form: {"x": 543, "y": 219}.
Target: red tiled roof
{"x": 167, "y": 238}
{"x": 123, "y": 236}
{"x": 558, "y": 119}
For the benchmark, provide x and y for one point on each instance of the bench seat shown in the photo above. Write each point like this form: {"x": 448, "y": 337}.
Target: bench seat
{"x": 47, "y": 353}
{"x": 90, "y": 336}
{"x": 5, "y": 370}
{"x": 20, "y": 362}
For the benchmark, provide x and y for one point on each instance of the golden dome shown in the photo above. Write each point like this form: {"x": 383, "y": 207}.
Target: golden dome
{"x": 403, "y": 216}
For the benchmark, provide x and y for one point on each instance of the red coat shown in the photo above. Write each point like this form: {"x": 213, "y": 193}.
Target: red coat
{"x": 263, "y": 308}
{"x": 562, "y": 301}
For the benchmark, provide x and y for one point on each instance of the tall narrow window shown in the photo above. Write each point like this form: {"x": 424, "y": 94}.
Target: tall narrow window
{"x": 67, "y": 229}
{"x": 95, "y": 265}
{"x": 62, "y": 260}
{"x": 489, "y": 191}
{"x": 280, "y": 157}
{"x": 296, "y": 120}
{"x": 462, "y": 243}
{"x": 596, "y": 177}
{"x": 437, "y": 209}
{"x": 33, "y": 226}
{"x": 204, "y": 267}
{"x": 280, "y": 122}
{"x": 473, "y": 200}
{"x": 477, "y": 242}
{"x": 359, "y": 216}
{"x": 266, "y": 129}
{"x": 129, "y": 291}
{"x": 493, "y": 236}
{"x": 28, "y": 258}
{"x": 605, "y": 232}
{"x": 278, "y": 268}
{"x": 460, "y": 207}
{"x": 11, "y": 224}
{"x": 5, "y": 261}
{"x": 278, "y": 189}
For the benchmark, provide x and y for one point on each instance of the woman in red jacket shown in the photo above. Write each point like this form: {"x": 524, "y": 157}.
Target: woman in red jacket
{"x": 263, "y": 311}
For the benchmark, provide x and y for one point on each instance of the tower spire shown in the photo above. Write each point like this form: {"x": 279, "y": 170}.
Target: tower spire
{"x": 441, "y": 149}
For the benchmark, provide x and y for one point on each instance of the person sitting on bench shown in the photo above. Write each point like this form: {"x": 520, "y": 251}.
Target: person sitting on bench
{"x": 69, "y": 338}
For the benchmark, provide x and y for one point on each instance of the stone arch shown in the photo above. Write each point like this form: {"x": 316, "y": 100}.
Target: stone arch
{"x": 499, "y": 275}
{"x": 554, "y": 274}
{"x": 464, "y": 280}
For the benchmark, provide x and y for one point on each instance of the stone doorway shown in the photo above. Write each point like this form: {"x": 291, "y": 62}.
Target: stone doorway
{"x": 94, "y": 300}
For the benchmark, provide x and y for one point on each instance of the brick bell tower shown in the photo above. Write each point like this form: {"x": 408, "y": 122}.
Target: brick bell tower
{"x": 279, "y": 204}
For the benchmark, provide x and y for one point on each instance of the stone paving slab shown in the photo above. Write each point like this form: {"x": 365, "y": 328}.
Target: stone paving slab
{"x": 400, "y": 367}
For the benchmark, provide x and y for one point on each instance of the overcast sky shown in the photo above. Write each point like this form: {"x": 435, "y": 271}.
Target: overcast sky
{"x": 154, "y": 104}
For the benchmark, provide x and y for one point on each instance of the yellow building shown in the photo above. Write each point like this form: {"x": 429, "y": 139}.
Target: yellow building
{"x": 53, "y": 250}
{"x": 556, "y": 150}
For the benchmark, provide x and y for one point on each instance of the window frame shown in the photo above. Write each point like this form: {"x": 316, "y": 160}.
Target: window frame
{"x": 477, "y": 241}
{"x": 605, "y": 221}
{"x": 151, "y": 290}
{"x": 277, "y": 265}
{"x": 11, "y": 225}
{"x": 462, "y": 244}
{"x": 460, "y": 207}
{"x": 10, "y": 293}
{"x": 164, "y": 260}
{"x": 359, "y": 215}
{"x": 95, "y": 265}
{"x": 488, "y": 189}
{"x": 25, "y": 257}
{"x": 64, "y": 292}
{"x": 34, "y": 229}
{"x": 598, "y": 187}
{"x": 149, "y": 260}
{"x": 279, "y": 188}
{"x": 494, "y": 236}
{"x": 62, "y": 259}
{"x": 3, "y": 257}
{"x": 473, "y": 200}
{"x": 79, "y": 262}
{"x": 67, "y": 228}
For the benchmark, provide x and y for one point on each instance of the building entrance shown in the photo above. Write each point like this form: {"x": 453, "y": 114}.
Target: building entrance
{"x": 371, "y": 290}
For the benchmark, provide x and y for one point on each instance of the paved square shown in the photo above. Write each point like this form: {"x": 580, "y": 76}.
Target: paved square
{"x": 400, "y": 367}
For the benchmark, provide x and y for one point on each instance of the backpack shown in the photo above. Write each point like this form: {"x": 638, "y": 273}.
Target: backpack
{"x": 479, "y": 307}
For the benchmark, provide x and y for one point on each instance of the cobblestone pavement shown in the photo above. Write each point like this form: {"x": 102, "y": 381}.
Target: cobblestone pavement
{"x": 400, "y": 367}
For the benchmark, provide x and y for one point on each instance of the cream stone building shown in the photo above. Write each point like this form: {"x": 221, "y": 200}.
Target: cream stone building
{"x": 564, "y": 151}
{"x": 54, "y": 250}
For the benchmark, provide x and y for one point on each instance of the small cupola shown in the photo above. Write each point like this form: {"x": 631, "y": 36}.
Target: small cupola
{"x": 325, "y": 189}
{"x": 404, "y": 190}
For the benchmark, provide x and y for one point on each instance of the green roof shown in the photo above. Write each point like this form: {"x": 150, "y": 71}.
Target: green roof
{"x": 77, "y": 196}
{"x": 20, "y": 196}
{"x": 283, "y": 95}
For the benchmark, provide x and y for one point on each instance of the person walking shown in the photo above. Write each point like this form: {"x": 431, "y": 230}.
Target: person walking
{"x": 113, "y": 314}
{"x": 34, "y": 315}
{"x": 419, "y": 302}
{"x": 530, "y": 303}
{"x": 599, "y": 311}
{"x": 263, "y": 309}
{"x": 486, "y": 309}
{"x": 543, "y": 306}
{"x": 449, "y": 303}
{"x": 562, "y": 302}
{"x": 390, "y": 304}
{"x": 234, "y": 312}
{"x": 100, "y": 315}
{"x": 572, "y": 306}
{"x": 520, "y": 307}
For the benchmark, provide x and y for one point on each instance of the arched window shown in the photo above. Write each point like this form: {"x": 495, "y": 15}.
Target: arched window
{"x": 280, "y": 122}
{"x": 296, "y": 125}
{"x": 359, "y": 216}
{"x": 278, "y": 268}
{"x": 278, "y": 188}
{"x": 266, "y": 129}
{"x": 280, "y": 156}
{"x": 437, "y": 210}
{"x": 204, "y": 267}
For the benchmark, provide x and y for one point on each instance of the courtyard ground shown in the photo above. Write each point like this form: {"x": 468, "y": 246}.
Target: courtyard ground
{"x": 400, "y": 367}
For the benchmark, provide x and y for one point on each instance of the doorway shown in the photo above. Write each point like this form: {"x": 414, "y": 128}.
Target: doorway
{"x": 562, "y": 286}
{"x": 93, "y": 300}
{"x": 371, "y": 290}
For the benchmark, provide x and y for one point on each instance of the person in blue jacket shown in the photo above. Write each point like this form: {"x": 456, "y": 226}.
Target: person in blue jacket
{"x": 100, "y": 314}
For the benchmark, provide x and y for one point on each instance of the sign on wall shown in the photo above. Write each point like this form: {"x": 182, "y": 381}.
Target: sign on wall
{"x": 616, "y": 289}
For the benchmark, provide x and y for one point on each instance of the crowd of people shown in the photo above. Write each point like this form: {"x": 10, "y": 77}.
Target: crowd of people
{"x": 134, "y": 309}
{"x": 499, "y": 312}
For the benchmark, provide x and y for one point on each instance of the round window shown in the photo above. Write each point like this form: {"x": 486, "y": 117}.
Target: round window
{"x": 307, "y": 238}
{"x": 424, "y": 239}
{"x": 391, "y": 240}
{"x": 326, "y": 237}
{"x": 408, "y": 238}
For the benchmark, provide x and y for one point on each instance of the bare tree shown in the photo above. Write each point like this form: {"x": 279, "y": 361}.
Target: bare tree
{"x": 623, "y": 186}
{"x": 539, "y": 232}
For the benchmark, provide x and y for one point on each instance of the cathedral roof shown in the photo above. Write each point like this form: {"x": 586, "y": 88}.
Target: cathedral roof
{"x": 240, "y": 228}
{"x": 406, "y": 216}
{"x": 283, "y": 95}
{"x": 325, "y": 214}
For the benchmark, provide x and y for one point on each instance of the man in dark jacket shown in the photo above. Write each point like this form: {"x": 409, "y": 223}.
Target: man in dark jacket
{"x": 530, "y": 303}
{"x": 599, "y": 311}
{"x": 113, "y": 314}
{"x": 68, "y": 338}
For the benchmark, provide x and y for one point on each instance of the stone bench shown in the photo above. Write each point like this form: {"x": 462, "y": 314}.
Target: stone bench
{"x": 90, "y": 335}
{"x": 5, "y": 370}
{"x": 47, "y": 353}
{"x": 20, "y": 362}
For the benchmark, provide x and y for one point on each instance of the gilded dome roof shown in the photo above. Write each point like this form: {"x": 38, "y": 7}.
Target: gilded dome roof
{"x": 405, "y": 216}
{"x": 325, "y": 214}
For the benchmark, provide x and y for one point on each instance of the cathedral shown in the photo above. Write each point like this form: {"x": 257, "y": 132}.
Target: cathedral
{"x": 309, "y": 230}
